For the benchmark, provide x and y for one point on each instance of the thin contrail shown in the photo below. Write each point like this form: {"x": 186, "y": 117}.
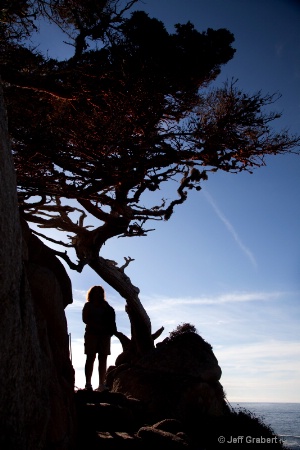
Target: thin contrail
{"x": 230, "y": 228}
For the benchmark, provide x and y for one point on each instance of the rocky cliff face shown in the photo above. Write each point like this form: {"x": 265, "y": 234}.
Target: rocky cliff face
{"x": 36, "y": 375}
{"x": 170, "y": 399}
{"x": 51, "y": 292}
{"x": 178, "y": 379}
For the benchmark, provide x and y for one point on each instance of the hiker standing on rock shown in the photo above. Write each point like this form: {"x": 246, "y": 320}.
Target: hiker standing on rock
{"x": 100, "y": 320}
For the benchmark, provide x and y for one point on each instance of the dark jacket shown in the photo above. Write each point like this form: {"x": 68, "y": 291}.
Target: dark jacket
{"x": 99, "y": 319}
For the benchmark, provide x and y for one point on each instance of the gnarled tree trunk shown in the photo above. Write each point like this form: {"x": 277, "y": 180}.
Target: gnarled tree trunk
{"x": 141, "y": 338}
{"x": 88, "y": 245}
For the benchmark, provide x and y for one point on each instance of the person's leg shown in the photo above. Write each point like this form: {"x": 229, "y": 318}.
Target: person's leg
{"x": 89, "y": 365}
{"x": 102, "y": 368}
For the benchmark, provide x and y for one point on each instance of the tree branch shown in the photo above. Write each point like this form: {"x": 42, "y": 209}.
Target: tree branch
{"x": 78, "y": 267}
{"x": 47, "y": 92}
{"x": 128, "y": 261}
{"x": 157, "y": 333}
{"x": 94, "y": 210}
{"x": 51, "y": 239}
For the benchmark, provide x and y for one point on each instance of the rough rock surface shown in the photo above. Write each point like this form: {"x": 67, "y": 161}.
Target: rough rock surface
{"x": 111, "y": 421}
{"x": 178, "y": 379}
{"x": 36, "y": 375}
{"x": 44, "y": 374}
{"x": 186, "y": 354}
{"x": 51, "y": 291}
{"x": 39, "y": 254}
{"x": 19, "y": 356}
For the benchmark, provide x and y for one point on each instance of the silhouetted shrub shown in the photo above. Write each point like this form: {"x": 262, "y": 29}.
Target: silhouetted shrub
{"x": 181, "y": 329}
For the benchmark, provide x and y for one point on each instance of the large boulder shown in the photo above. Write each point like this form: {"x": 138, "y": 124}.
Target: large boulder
{"x": 36, "y": 375}
{"x": 179, "y": 379}
{"x": 23, "y": 416}
{"x": 37, "y": 253}
{"x": 51, "y": 291}
{"x": 187, "y": 354}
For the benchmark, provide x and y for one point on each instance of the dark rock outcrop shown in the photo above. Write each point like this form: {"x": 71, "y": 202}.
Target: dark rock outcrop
{"x": 36, "y": 375}
{"x": 178, "y": 379}
{"x": 24, "y": 412}
{"x": 39, "y": 356}
{"x": 39, "y": 254}
{"x": 186, "y": 354}
{"x": 103, "y": 426}
{"x": 108, "y": 420}
{"x": 51, "y": 291}
{"x": 154, "y": 437}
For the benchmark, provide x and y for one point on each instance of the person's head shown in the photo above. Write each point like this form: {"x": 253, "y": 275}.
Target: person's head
{"x": 95, "y": 293}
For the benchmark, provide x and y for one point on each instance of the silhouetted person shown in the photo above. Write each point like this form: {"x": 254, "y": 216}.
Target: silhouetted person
{"x": 100, "y": 320}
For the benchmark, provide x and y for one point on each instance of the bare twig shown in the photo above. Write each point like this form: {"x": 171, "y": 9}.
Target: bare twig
{"x": 128, "y": 261}
{"x": 157, "y": 333}
{"x": 52, "y": 240}
{"x": 78, "y": 267}
{"x": 47, "y": 92}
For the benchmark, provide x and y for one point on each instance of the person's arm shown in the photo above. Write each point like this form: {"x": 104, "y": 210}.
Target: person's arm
{"x": 85, "y": 313}
{"x": 115, "y": 325}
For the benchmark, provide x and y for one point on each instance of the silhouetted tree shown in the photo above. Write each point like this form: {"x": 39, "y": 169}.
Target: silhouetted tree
{"x": 130, "y": 110}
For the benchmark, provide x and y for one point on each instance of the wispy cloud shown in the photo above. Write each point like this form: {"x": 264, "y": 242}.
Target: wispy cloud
{"x": 272, "y": 354}
{"x": 230, "y": 228}
{"x": 259, "y": 363}
{"x": 262, "y": 371}
{"x": 159, "y": 302}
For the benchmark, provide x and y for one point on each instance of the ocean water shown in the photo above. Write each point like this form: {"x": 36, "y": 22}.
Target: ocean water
{"x": 283, "y": 418}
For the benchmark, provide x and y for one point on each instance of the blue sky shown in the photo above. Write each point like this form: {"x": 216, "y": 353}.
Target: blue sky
{"x": 228, "y": 260}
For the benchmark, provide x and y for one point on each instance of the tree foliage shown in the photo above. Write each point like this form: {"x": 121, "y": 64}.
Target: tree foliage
{"x": 130, "y": 110}
{"x": 111, "y": 123}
